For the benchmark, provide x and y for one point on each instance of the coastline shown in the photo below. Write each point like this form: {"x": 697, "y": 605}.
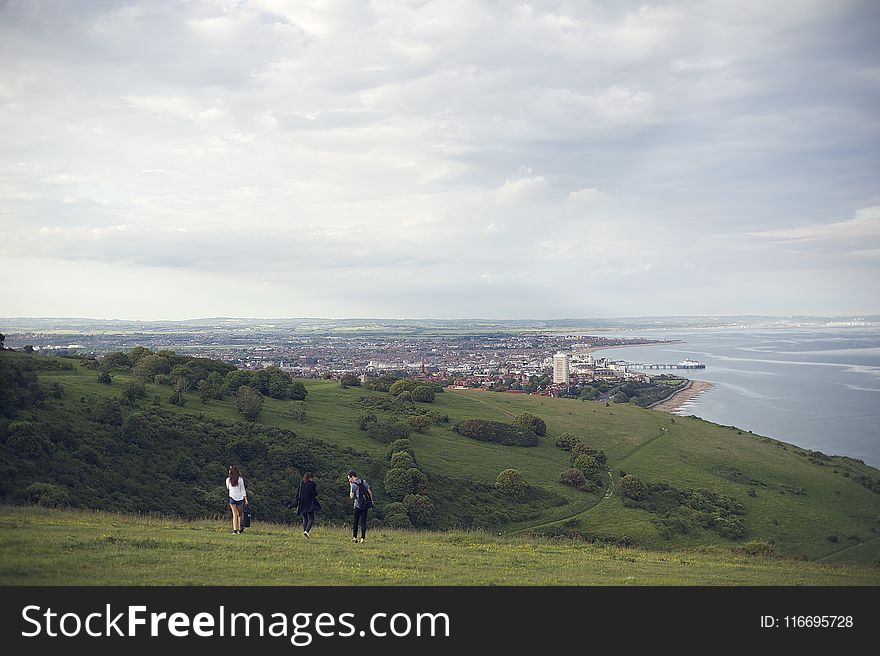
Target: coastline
{"x": 593, "y": 349}
{"x": 677, "y": 399}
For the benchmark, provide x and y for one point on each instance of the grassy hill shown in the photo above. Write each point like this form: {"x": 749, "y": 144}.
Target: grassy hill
{"x": 42, "y": 547}
{"x": 803, "y": 504}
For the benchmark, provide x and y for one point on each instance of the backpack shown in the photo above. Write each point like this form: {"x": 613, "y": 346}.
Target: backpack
{"x": 364, "y": 500}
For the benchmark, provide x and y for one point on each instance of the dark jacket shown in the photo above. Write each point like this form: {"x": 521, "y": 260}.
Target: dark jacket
{"x": 307, "y": 498}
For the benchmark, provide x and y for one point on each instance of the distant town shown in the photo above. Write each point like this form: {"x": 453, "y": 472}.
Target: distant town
{"x": 534, "y": 361}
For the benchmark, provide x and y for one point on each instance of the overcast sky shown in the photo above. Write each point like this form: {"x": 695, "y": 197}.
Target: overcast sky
{"x": 165, "y": 160}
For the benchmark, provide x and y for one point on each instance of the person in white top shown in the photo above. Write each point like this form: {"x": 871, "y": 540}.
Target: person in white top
{"x": 237, "y": 496}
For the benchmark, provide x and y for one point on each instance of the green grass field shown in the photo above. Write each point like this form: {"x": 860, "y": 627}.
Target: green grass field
{"x": 52, "y": 547}
{"x": 818, "y": 512}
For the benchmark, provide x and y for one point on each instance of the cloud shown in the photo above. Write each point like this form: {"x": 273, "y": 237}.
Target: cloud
{"x": 865, "y": 224}
{"x": 388, "y": 155}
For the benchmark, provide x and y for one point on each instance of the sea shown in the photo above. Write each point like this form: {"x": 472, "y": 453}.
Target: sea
{"x": 818, "y": 388}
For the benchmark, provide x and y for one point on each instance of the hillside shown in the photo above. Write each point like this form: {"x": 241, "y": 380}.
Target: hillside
{"x": 52, "y": 547}
{"x": 707, "y": 484}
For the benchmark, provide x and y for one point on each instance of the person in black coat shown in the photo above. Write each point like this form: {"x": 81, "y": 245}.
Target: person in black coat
{"x": 307, "y": 502}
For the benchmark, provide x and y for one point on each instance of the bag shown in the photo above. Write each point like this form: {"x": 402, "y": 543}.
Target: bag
{"x": 364, "y": 500}
{"x": 246, "y": 517}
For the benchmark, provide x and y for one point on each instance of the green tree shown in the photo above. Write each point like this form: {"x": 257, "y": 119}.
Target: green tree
{"x": 419, "y": 423}
{"x": 573, "y": 478}
{"x": 632, "y": 488}
{"x": 133, "y": 391}
{"x": 510, "y": 482}
{"x": 349, "y": 380}
{"x": 400, "y": 482}
{"x": 249, "y": 402}
{"x": 566, "y": 441}
{"x": 531, "y": 422}
{"x": 423, "y": 394}
{"x": 104, "y": 378}
{"x": 419, "y": 509}
{"x": 402, "y": 460}
{"x": 587, "y": 464}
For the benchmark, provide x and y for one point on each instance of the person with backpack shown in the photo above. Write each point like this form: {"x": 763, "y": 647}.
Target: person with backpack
{"x": 363, "y": 501}
{"x": 237, "y": 496}
{"x": 307, "y": 502}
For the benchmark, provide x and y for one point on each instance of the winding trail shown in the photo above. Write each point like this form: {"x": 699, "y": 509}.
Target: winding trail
{"x": 842, "y": 549}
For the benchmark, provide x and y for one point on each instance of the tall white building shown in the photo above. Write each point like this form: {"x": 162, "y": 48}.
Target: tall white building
{"x": 560, "y": 368}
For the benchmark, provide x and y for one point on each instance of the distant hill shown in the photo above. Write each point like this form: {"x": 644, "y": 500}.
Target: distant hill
{"x": 70, "y": 440}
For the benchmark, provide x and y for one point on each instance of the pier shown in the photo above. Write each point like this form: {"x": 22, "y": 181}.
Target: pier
{"x": 679, "y": 365}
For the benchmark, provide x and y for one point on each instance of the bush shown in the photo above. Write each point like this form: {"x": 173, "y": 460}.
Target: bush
{"x": 419, "y": 423}
{"x": 133, "y": 391}
{"x": 387, "y": 431}
{"x": 423, "y": 394}
{"x": 47, "y": 494}
{"x": 632, "y": 488}
{"x": 400, "y": 482}
{"x": 419, "y": 509}
{"x": 581, "y": 449}
{"x": 398, "y": 520}
{"x": 566, "y": 441}
{"x": 438, "y": 417}
{"x": 402, "y": 460}
{"x": 349, "y": 380}
{"x": 511, "y": 483}
{"x": 104, "y": 378}
{"x": 532, "y": 423}
{"x": 573, "y": 478}
{"x": 23, "y": 439}
{"x": 107, "y": 411}
{"x": 249, "y": 402}
{"x": 497, "y": 432}
{"x": 366, "y": 420}
{"x": 401, "y": 445}
{"x": 404, "y": 396}
{"x": 587, "y": 464}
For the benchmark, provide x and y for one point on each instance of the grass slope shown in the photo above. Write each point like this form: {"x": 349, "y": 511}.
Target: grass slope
{"x": 41, "y": 547}
{"x": 818, "y": 511}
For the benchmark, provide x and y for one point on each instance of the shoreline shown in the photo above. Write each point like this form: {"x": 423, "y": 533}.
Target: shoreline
{"x": 676, "y": 400}
{"x": 593, "y": 349}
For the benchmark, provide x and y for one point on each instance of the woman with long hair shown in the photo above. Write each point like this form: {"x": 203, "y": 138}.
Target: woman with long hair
{"x": 307, "y": 502}
{"x": 237, "y": 496}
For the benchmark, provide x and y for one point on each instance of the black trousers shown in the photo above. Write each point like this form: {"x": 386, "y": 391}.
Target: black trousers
{"x": 360, "y": 517}
{"x": 308, "y": 521}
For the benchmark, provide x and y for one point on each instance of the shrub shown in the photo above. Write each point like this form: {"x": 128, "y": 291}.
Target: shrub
{"x": 23, "y": 439}
{"x": 566, "y": 441}
{"x": 402, "y": 385}
{"x": 419, "y": 423}
{"x": 387, "y": 431}
{"x": 532, "y": 423}
{"x": 107, "y": 411}
{"x": 249, "y": 402}
{"x": 632, "y": 488}
{"x": 47, "y": 494}
{"x": 104, "y": 378}
{"x": 135, "y": 427}
{"x": 366, "y": 420}
{"x": 511, "y": 483}
{"x": 419, "y": 509}
{"x": 438, "y": 417}
{"x": 133, "y": 390}
{"x": 497, "y": 432}
{"x": 349, "y": 380}
{"x": 401, "y": 445}
{"x": 404, "y": 396}
{"x": 587, "y": 464}
{"x": 402, "y": 460}
{"x": 423, "y": 394}
{"x": 400, "y": 482}
{"x": 573, "y": 478}
{"x": 398, "y": 520}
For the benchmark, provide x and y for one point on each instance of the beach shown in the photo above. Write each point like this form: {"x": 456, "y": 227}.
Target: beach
{"x": 674, "y": 402}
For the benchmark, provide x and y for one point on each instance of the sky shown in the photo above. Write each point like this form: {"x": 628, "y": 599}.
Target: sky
{"x": 172, "y": 160}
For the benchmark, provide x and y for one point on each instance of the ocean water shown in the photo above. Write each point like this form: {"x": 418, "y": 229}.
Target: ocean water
{"x": 818, "y": 388}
